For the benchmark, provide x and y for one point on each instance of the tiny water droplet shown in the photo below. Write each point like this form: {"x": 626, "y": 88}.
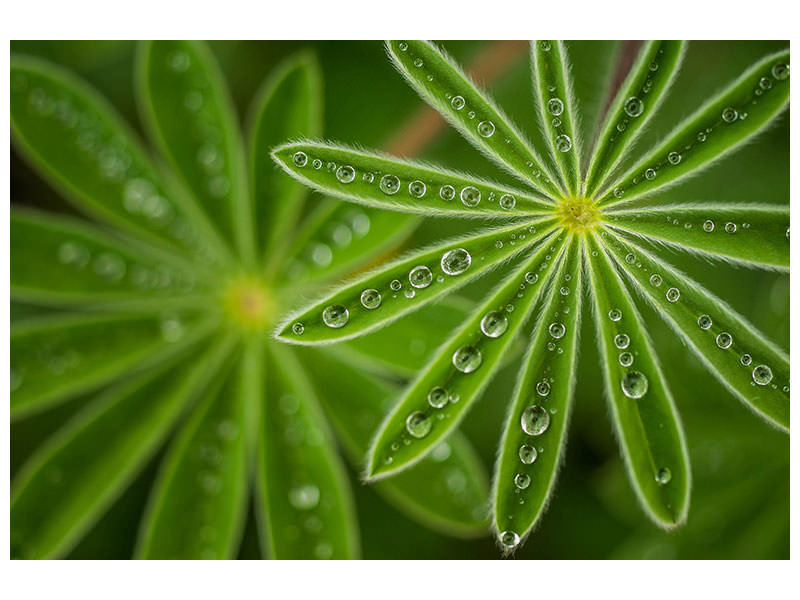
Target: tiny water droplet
{"x": 615, "y": 314}
{"x": 522, "y": 480}
{"x": 555, "y": 106}
{"x": 417, "y": 189}
{"x": 618, "y": 192}
{"x": 746, "y": 359}
{"x": 486, "y": 129}
{"x": 507, "y": 201}
{"x": 730, "y": 227}
{"x": 298, "y": 328}
{"x": 650, "y": 174}
{"x": 531, "y": 277}
{"x": 625, "y": 359}
{"x": 563, "y": 143}
{"x": 438, "y": 397}
{"x": 457, "y": 102}
{"x": 543, "y": 389}
{"x": 395, "y": 285}
{"x": 780, "y": 71}
{"x": 335, "y": 316}
{"x": 729, "y": 114}
{"x": 708, "y": 226}
{"x": 622, "y": 341}
{"x": 655, "y": 280}
{"x": 674, "y": 158}
{"x": 304, "y": 497}
{"x": 557, "y": 330}
{"x": 509, "y": 540}
{"x": 316, "y": 163}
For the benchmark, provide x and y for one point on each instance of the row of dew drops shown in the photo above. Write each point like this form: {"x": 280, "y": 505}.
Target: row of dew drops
{"x": 452, "y": 263}
{"x": 708, "y": 225}
{"x": 485, "y": 128}
{"x": 113, "y": 158}
{"x": 535, "y": 418}
{"x": 761, "y": 374}
{"x": 555, "y": 107}
{"x": 390, "y": 184}
{"x": 634, "y": 107}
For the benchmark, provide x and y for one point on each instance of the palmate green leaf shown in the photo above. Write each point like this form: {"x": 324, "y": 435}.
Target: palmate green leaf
{"x": 288, "y": 105}
{"x": 57, "y": 260}
{"x": 443, "y": 85}
{"x": 447, "y": 491}
{"x": 749, "y": 365}
{"x": 187, "y": 109}
{"x": 755, "y": 235}
{"x": 304, "y": 508}
{"x": 338, "y": 238}
{"x": 57, "y": 356}
{"x": 406, "y": 284}
{"x": 594, "y": 64}
{"x": 78, "y": 143}
{"x": 643, "y": 412}
{"x": 636, "y": 102}
{"x": 722, "y": 124}
{"x": 197, "y": 505}
{"x": 403, "y": 346}
{"x": 552, "y": 86}
{"x": 435, "y": 402}
{"x": 64, "y": 488}
{"x": 534, "y": 439}
{"x": 383, "y": 181}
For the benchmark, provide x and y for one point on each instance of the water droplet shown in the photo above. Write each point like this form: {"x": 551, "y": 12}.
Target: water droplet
{"x": 470, "y": 196}
{"x": 304, "y": 497}
{"x": 765, "y": 83}
{"x": 345, "y": 174}
{"x": 564, "y": 291}
{"x": 630, "y": 258}
{"x": 724, "y": 340}
{"x": 674, "y": 158}
{"x": 673, "y": 294}
{"x": 650, "y": 174}
{"x": 615, "y": 314}
{"x": 653, "y": 66}
{"x": 634, "y": 384}
{"x": 622, "y": 341}
{"x": 746, "y": 359}
{"x": 531, "y": 277}
{"x": 655, "y": 280}
{"x": 438, "y": 397}
{"x": 418, "y": 63}
{"x": 316, "y": 163}
{"x": 701, "y": 137}
{"x": 467, "y": 358}
{"x": 395, "y": 285}
{"x": 618, "y": 192}
{"x": 456, "y": 261}
{"x": 729, "y": 114}
{"x": 535, "y": 420}
{"x": 300, "y": 159}
{"x": 704, "y": 322}
{"x": 298, "y": 328}
{"x": 418, "y": 424}
{"x": 543, "y": 389}
{"x": 403, "y": 46}
{"x": 563, "y": 143}
{"x": 625, "y": 359}
{"x": 335, "y": 316}
{"x": 634, "y": 106}
{"x": 522, "y": 480}
{"x": 762, "y": 374}
{"x": 179, "y": 62}
{"x": 663, "y": 476}
{"x": 409, "y": 293}
{"x": 708, "y": 226}
{"x": 507, "y": 201}
{"x": 457, "y": 102}
{"x": 417, "y": 189}
{"x": 780, "y": 71}
{"x": 389, "y": 184}
{"x": 730, "y": 227}
{"x": 555, "y": 106}
{"x": 486, "y": 129}
{"x": 494, "y": 324}
{"x": 447, "y": 193}
{"x": 370, "y": 299}
{"x": 509, "y": 540}
{"x": 544, "y": 45}
{"x": 527, "y": 454}
{"x": 557, "y": 330}
{"x": 420, "y": 276}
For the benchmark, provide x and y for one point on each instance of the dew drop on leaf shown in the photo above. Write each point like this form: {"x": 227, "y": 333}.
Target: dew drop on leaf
{"x": 345, "y": 174}
{"x": 447, "y": 193}
{"x": 370, "y": 299}
{"x": 395, "y": 285}
{"x": 389, "y": 184}
{"x": 507, "y": 201}
{"x": 456, "y": 261}
{"x": 335, "y": 316}
{"x": 531, "y": 277}
{"x": 555, "y": 106}
{"x": 522, "y": 480}
{"x": 467, "y": 359}
{"x": 494, "y": 324}
{"x": 417, "y": 189}
{"x": 543, "y": 389}
{"x": 316, "y": 163}
{"x": 650, "y": 174}
{"x": 420, "y": 276}
{"x": 673, "y": 294}
{"x": 704, "y": 322}
{"x": 762, "y": 374}
{"x": 300, "y": 159}
{"x": 457, "y": 102}
{"x": 634, "y": 384}
{"x": 557, "y": 330}
{"x": 418, "y": 424}
{"x": 298, "y": 328}
{"x": 615, "y": 314}
{"x": 527, "y": 454}
{"x": 663, "y": 476}
{"x": 486, "y": 129}
{"x": 729, "y": 114}
{"x": 470, "y": 196}
{"x": 674, "y": 158}
{"x": 655, "y": 280}
{"x": 780, "y": 71}
{"x": 730, "y": 227}
{"x": 633, "y": 106}
{"x": 438, "y": 397}
{"x": 625, "y": 359}
{"x": 724, "y": 340}
{"x": 708, "y": 226}
{"x": 622, "y": 341}
{"x": 535, "y": 420}
{"x": 563, "y": 143}
{"x": 746, "y": 359}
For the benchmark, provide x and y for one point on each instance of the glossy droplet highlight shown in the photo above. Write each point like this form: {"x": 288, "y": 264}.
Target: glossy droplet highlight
{"x": 634, "y": 384}
{"x": 420, "y": 276}
{"x": 335, "y": 316}
{"x": 457, "y": 102}
{"x": 633, "y": 106}
{"x": 663, "y": 476}
{"x": 447, "y": 193}
{"x": 345, "y": 174}
{"x": 418, "y": 424}
{"x": 304, "y": 497}
{"x": 704, "y": 322}
{"x": 557, "y": 330}
{"x": 494, "y": 324}
{"x": 470, "y": 196}
{"x": 673, "y": 294}
{"x": 762, "y": 375}
{"x": 467, "y": 359}
{"x": 522, "y": 480}
{"x": 456, "y": 261}
{"x": 389, "y": 184}
{"x": 300, "y": 159}
{"x": 555, "y": 106}
{"x": 438, "y": 397}
{"x": 417, "y": 189}
{"x": 535, "y": 420}
{"x": 486, "y": 129}
{"x": 724, "y": 340}
{"x": 370, "y": 299}
{"x": 527, "y": 454}
{"x": 563, "y": 143}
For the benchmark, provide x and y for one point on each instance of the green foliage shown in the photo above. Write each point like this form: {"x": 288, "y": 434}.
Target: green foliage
{"x": 588, "y": 238}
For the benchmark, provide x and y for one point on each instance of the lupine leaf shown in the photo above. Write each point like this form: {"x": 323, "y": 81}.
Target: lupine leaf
{"x": 636, "y": 102}
{"x": 532, "y": 446}
{"x": 337, "y": 238}
{"x": 58, "y": 356}
{"x": 60, "y": 260}
{"x": 722, "y": 124}
{"x": 289, "y": 105}
{"x": 749, "y": 365}
{"x": 392, "y": 290}
{"x": 305, "y": 509}
{"x": 435, "y": 402}
{"x": 187, "y": 109}
{"x": 552, "y": 86}
{"x": 447, "y": 491}
{"x": 198, "y": 502}
{"x": 593, "y": 71}
{"x": 70, "y": 482}
{"x": 756, "y": 235}
{"x": 382, "y": 181}
{"x": 79, "y": 144}
{"x": 643, "y": 412}
{"x": 443, "y": 85}
{"x": 403, "y": 346}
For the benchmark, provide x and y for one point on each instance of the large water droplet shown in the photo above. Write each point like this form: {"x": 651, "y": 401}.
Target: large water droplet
{"x": 370, "y": 299}
{"x": 762, "y": 374}
{"x": 673, "y": 294}
{"x": 557, "y": 330}
{"x": 704, "y": 322}
{"x": 522, "y": 480}
{"x": 507, "y": 201}
{"x": 729, "y": 114}
{"x": 335, "y": 316}
{"x": 622, "y": 341}
{"x": 535, "y": 420}
{"x": 470, "y": 196}
{"x": 633, "y": 106}
{"x": 724, "y": 340}
{"x": 389, "y": 184}
{"x": 555, "y": 106}
{"x": 563, "y": 143}
{"x": 456, "y": 261}
{"x": 467, "y": 358}
{"x": 418, "y": 424}
{"x": 300, "y": 159}
{"x": 780, "y": 71}
{"x": 438, "y": 397}
{"x": 486, "y": 129}
{"x": 494, "y": 324}
{"x": 457, "y": 102}
{"x": 527, "y": 454}
{"x": 417, "y": 189}
{"x": 345, "y": 174}
{"x": 634, "y": 384}
{"x": 509, "y": 539}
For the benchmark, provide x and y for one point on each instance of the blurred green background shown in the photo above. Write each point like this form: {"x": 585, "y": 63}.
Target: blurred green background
{"x": 740, "y": 499}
